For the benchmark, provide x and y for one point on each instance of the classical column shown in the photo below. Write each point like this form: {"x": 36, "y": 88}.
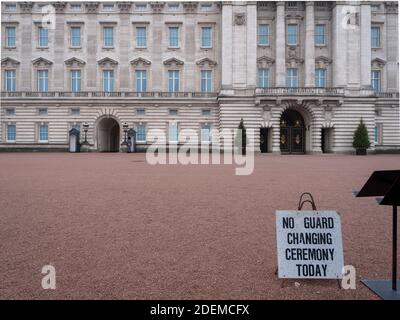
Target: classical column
{"x": 309, "y": 46}
{"x": 280, "y": 45}
{"x": 339, "y": 46}
{"x": 365, "y": 52}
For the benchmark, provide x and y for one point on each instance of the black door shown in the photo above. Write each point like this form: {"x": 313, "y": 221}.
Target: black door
{"x": 292, "y": 138}
{"x": 263, "y": 139}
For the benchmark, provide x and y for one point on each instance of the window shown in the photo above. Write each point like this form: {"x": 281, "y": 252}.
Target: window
{"x": 75, "y": 7}
{"x": 10, "y": 37}
{"x": 375, "y": 37}
{"x": 42, "y": 80}
{"x": 378, "y": 133}
{"x": 376, "y": 80}
{"x": 10, "y": 81}
{"x": 141, "y": 6}
{"x": 75, "y": 37}
{"x": 173, "y": 37}
{"x": 320, "y": 78}
{"x": 173, "y": 132}
{"x": 11, "y": 132}
{"x": 206, "y": 81}
{"x": 263, "y": 78}
{"x": 43, "y": 37}
{"x": 44, "y": 132}
{"x": 173, "y": 81}
{"x": 11, "y": 7}
{"x": 10, "y": 112}
{"x": 43, "y": 112}
{"x": 292, "y": 34}
{"x": 205, "y": 133}
{"x": 108, "y": 37}
{"x": 141, "y": 37}
{"x": 206, "y": 37}
{"x": 108, "y": 80}
{"x": 173, "y": 112}
{"x": 75, "y": 112}
{"x": 320, "y": 35}
{"x": 140, "y": 112}
{"x": 206, "y": 112}
{"x": 263, "y": 34}
{"x": 108, "y": 7}
{"x": 75, "y": 80}
{"x": 141, "y": 132}
{"x": 173, "y": 6}
{"x": 206, "y": 6}
{"x": 141, "y": 81}
{"x": 292, "y": 78}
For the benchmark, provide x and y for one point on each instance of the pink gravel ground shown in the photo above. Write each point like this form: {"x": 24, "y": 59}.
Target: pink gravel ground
{"x": 115, "y": 227}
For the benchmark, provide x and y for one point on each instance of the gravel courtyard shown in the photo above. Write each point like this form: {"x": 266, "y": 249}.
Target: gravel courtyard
{"x": 114, "y": 226}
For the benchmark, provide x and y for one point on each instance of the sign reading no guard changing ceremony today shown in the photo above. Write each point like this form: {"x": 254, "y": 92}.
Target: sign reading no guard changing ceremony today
{"x": 309, "y": 244}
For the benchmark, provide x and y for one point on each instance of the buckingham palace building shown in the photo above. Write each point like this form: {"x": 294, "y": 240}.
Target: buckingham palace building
{"x": 301, "y": 74}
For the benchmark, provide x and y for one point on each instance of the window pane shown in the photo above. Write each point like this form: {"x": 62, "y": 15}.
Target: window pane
{"x": 43, "y": 37}
{"x": 140, "y": 132}
{"x": 320, "y": 78}
{"x": 206, "y": 41}
{"x": 263, "y": 34}
{"x": 43, "y": 81}
{"x": 10, "y": 36}
{"x": 75, "y": 80}
{"x": 173, "y": 81}
{"x": 141, "y": 81}
{"x": 205, "y": 133}
{"x": 206, "y": 81}
{"x": 263, "y": 78}
{"x": 173, "y": 132}
{"x": 376, "y": 80}
{"x": 43, "y": 132}
{"x": 174, "y": 37}
{"x": 375, "y": 35}
{"x": 108, "y": 80}
{"x": 320, "y": 34}
{"x": 141, "y": 37}
{"x": 292, "y": 80}
{"x": 75, "y": 36}
{"x": 10, "y": 81}
{"x": 292, "y": 34}
{"x": 108, "y": 36}
{"x": 11, "y": 132}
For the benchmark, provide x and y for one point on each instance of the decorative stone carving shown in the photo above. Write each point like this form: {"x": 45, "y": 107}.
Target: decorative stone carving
{"x": 378, "y": 63}
{"x": 265, "y": 62}
{"x": 107, "y": 62}
{"x": 41, "y": 62}
{"x": 59, "y": 6}
{"x": 74, "y": 62}
{"x": 91, "y": 7}
{"x": 140, "y": 62}
{"x": 26, "y": 6}
{"x": 206, "y": 61}
{"x": 322, "y": 62}
{"x": 190, "y": 6}
{"x": 157, "y": 7}
{"x": 8, "y": 62}
{"x": 391, "y": 7}
{"x": 240, "y": 18}
{"x": 173, "y": 62}
{"x": 124, "y": 7}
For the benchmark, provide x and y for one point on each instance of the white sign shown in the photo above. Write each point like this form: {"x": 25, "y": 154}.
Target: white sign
{"x": 309, "y": 244}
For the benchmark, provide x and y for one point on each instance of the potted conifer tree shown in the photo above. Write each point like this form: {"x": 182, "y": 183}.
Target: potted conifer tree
{"x": 361, "y": 139}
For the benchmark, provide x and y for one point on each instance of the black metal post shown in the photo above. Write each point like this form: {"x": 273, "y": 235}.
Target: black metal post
{"x": 394, "y": 270}
{"x": 85, "y": 136}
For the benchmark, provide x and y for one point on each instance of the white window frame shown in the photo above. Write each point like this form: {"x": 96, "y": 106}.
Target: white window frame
{"x": 170, "y": 126}
{"x": 207, "y": 77}
{"x": 74, "y": 78}
{"x": 105, "y": 45}
{"x": 40, "y": 37}
{"x": 40, "y": 135}
{"x": 202, "y": 135}
{"x": 110, "y": 81}
{"x": 260, "y": 35}
{"x": 177, "y": 37}
{"x": 319, "y": 35}
{"x": 263, "y": 79}
{"x": 203, "y": 38}
{"x": 141, "y": 37}
{"x": 74, "y": 37}
{"x": 13, "y": 80}
{"x": 140, "y": 80}
{"x": 43, "y": 80}
{"x": 378, "y": 132}
{"x": 7, "y": 132}
{"x": 173, "y": 75}
{"x": 142, "y": 125}
{"x": 318, "y": 77}
{"x": 291, "y": 77}
{"x": 297, "y": 34}
{"x": 379, "y": 37}
{"x": 7, "y": 28}
{"x": 379, "y": 80}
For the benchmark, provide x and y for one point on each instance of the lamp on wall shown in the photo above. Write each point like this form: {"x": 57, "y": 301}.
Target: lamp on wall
{"x": 85, "y": 129}
{"x": 125, "y": 127}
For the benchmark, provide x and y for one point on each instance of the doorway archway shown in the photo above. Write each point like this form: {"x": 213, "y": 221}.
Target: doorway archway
{"x": 108, "y": 135}
{"x": 292, "y": 132}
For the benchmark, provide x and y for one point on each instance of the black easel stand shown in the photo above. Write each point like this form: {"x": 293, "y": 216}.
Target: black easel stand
{"x": 386, "y": 184}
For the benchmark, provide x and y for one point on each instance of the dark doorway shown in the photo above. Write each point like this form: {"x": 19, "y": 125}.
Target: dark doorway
{"x": 108, "y": 135}
{"x": 326, "y": 140}
{"x": 263, "y": 140}
{"x": 292, "y": 136}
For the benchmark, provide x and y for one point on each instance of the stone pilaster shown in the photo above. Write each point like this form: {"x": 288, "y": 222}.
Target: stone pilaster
{"x": 251, "y": 45}
{"x": 280, "y": 72}
{"x": 309, "y": 46}
{"x": 227, "y": 25}
{"x": 339, "y": 46}
{"x": 365, "y": 60}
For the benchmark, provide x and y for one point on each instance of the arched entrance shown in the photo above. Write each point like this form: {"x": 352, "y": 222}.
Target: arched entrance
{"x": 292, "y": 132}
{"x": 108, "y": 135}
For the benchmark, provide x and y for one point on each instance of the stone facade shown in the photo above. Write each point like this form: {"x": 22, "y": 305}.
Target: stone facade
{"x": 234, "y": 59}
